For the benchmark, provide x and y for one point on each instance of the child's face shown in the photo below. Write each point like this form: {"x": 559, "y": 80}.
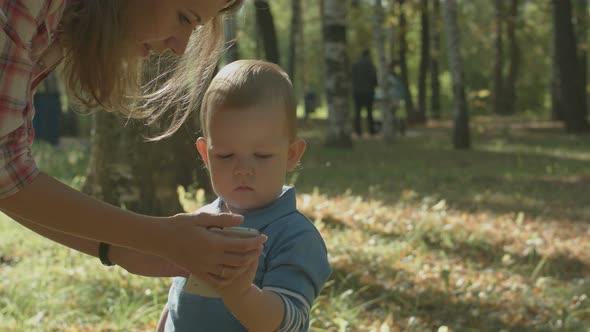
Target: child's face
{"x": 248, "y": 154}
{"x": 157, "y": 25}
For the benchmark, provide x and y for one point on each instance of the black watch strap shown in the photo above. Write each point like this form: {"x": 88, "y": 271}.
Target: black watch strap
{"x": 103, "y": 254}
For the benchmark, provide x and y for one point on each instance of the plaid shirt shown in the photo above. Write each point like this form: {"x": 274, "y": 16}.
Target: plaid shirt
{"x": 27, "y": 28}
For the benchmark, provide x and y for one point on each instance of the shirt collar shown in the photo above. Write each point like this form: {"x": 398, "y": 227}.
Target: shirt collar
{"x": 284, "y": 204}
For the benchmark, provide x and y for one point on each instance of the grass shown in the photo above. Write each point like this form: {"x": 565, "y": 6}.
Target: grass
{"x": 421, "y": 238}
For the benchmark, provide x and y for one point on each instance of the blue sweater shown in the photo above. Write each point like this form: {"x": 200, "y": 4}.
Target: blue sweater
{"x": 294, "y": 265}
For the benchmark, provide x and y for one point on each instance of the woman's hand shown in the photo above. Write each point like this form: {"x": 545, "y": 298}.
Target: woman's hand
{"x": 206, "y": 254}
{"x": 143, "y": 264}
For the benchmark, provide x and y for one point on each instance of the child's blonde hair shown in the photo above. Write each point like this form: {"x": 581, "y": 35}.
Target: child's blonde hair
{"x": 248, "y": 83}
{"x": 101, "y": 69}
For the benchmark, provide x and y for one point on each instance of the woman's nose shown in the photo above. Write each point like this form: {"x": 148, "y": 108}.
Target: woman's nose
{"x": 177, "y": 44}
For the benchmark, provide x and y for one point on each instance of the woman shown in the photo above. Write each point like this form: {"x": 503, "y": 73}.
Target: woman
{"x": 102, "y": 44}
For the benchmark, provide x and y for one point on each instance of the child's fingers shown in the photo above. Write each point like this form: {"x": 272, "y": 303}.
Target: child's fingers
{"x": 204, "y": 219}
{"x": 237, "y": 245}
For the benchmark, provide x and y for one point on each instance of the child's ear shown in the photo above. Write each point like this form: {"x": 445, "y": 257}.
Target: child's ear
{"x": 296, "y": 150}
{"x": 201, "y": 145}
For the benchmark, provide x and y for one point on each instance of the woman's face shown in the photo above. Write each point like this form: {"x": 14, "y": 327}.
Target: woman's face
{"x": 158, "y": 25}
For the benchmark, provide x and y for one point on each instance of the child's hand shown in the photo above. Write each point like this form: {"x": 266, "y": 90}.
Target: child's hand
{"x": 240, "y": 284}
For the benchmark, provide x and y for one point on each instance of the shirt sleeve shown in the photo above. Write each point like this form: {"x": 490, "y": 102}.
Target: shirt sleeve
{"x": 297, "y": 270}
{"x": 296, "y": 315}
{"x": 17, "y": 27}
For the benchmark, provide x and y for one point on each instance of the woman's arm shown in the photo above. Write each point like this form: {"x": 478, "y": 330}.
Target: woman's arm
{"x": 131, "y": 260}
{"x": 89, "y": 247}
{"x": 51, "y": 204}
{"x": 54, "y": 205}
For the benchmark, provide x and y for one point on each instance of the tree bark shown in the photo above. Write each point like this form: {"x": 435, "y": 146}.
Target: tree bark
{"x": 581, "y": 10}
{"x": 141, "y": 176}
{"x": 557, "y": 112}
{"x": 127, "y": 171}
{"x": 434, "y": 62}
{"x": 294, "y": 38}
{"x": 230, "y": 31}
{"x": 391, "y": 32}
{"x": 513, "y": 69}
{"x": 383, "y": 72}
{"x": 266, "y": 27}
{"x": 424, "y": 62}
{"x": 336, "y": 73}
{"x": 108, "y": 174}
{"x": 461, "y": 136}
{"x": 403, "y": 49}
{"x": 572, "y": 92}
{"x": 498, "y": 82}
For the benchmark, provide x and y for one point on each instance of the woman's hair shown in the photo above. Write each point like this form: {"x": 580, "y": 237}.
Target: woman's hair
{"x": 247, "y": 83}
{"x": 102, "y": 68}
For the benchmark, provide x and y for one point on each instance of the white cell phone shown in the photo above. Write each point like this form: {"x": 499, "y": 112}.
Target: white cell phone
{"x": 239, "y": 232}
{"x": 198, "y": 287}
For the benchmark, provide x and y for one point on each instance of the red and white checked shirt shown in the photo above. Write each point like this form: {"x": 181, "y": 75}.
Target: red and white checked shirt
{"x": 27, "y": 30}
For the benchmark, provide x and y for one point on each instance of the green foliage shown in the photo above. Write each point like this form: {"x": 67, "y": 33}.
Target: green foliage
{"x": 476, "y": 21}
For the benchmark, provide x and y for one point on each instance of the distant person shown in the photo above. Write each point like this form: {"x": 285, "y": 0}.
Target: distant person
{"x": 255, "y": 102}
{"x": 397, "y": 93}
{"x": 310, "y": 104}
{"x": 364, "y": 82}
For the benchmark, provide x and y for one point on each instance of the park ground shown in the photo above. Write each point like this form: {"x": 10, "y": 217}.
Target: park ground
{"x": 421, "y": 237}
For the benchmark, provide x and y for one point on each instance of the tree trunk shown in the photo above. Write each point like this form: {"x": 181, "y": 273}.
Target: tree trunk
{"x": 383, "y": 72}
{"x": 498, "y": 84}
{"x": 572, "y": 92}
{"x": 461, "y": 136}
{"x": 125, "y": 170}
{"x": 557, "y": 112}
{"x": 109, "y": 173}
{"x": 266, "y": 27}
{"x": 230, "y": 31}
{"x": 434, "y": 61}
{"x": 510, "y": 86}
{"x": 424, "y": 61}
{"x": 336, "y": 73}
{"x": 403, "y": 49}
{"x": 294, "y": 38}
{"x": 581, "y": 10}
{"x": 391, "y": 32}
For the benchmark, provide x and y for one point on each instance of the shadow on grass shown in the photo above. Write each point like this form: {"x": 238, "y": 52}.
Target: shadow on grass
{"x": 433, "y": 306}
{"x": 8, "y": 261}
{"x": 541, "y": 185}
{"x": 486, "y": 255}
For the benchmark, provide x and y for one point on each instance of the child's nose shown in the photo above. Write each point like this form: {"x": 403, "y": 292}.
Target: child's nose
{"x": 243, "y": 168}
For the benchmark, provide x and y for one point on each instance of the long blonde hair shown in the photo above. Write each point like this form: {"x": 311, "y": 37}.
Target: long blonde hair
{"x": 102, "y": 71}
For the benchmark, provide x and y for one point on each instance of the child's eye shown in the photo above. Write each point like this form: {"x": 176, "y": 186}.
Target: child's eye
{"x": 183, "y": 19}
{"x": 263, "y": 155}
{"x": 225, "y": 156}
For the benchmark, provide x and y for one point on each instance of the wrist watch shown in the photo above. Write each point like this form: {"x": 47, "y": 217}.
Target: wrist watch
{"x": 103, "y": 254}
